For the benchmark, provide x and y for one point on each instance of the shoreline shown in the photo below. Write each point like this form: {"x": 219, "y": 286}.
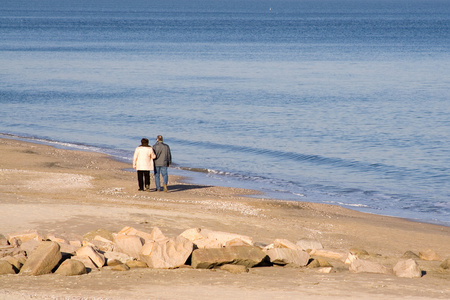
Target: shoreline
{"x": 69, "y": 192}
{"x": 196, "y": 180}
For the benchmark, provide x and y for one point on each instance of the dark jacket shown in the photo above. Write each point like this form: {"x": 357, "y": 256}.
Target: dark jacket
{"x": 163, "y": 155}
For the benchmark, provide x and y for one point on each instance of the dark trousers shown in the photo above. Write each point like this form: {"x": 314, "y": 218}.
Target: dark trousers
{"x": 143, "y": 179}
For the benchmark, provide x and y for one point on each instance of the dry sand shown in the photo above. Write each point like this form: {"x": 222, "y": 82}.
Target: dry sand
{"x": 64, "y": 192}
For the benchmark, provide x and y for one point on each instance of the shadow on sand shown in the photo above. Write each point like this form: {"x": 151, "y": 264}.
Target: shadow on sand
{"x": 185, "y": 187}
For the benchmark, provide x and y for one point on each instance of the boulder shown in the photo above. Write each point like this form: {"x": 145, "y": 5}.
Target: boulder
{"x": 319, "y": 263}
{"x": 71, "y": 267}
{"x": 284, "y": 256}
{"x": 326, "y": 270}
{"x": 235, "y": 269}
{"x": 283, "y": 243}
{"x": 86, "y": 261}
{"x": 366, "y": 266}
{"x": 310, "y": 244}
{"x": 129, "y": 244}
{"x": 359, "y": 252}
{"x": 101, "y": 232}
{"x": 170, "y": 254}
{"x": 3, "y": 240}
{"x": 112, "y": 255}
{"x": 408, "y": 269}
{"x": 410, "y": 254}
{"x": 24, "y": 236}
{"x": 29, "y": 246}
{"x": 248, "y": 256}
{"x": 328, "y": 254}
{"x": 97, "y": 258}
{"x": 155, "y": 235}
{"x": 205, "y": 238}
{"x": 445, "y": 264}
{"x": 134, "y": 264}
{"x": 120, "y": 267}
{"x": 42, "y": 261}
{"x": 6, "y": 268}
{"x": 430, "y": 255}
{"x": 15, "y": 262}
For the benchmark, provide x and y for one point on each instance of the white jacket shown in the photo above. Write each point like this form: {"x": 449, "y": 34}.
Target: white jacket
{"x": 143, "y": 158}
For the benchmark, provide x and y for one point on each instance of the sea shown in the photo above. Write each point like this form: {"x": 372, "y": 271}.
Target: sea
{"x": 343, "y": 102}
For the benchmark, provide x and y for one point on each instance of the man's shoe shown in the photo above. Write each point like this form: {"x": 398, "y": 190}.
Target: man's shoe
{"x": 165, "y": 188}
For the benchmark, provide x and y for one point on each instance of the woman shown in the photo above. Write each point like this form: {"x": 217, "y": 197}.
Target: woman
{"x": 143, "y": 164}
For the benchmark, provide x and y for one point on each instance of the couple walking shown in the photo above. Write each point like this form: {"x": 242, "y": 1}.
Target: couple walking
{"x": 147, "y": 158}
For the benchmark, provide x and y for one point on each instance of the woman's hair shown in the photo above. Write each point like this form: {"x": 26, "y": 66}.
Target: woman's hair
{"x": 144, "y": 142}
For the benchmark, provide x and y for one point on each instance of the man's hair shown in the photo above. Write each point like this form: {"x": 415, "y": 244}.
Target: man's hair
{"x": 159, "y": 138}
{"x": 144, "y": 142}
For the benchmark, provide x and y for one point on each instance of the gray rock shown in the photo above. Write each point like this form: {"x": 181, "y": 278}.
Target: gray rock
{"x": 408, "y": 269}
{"x": 209, "y": 258}
{"x": 71, "y": 267}
{"x": 42, "y": 260}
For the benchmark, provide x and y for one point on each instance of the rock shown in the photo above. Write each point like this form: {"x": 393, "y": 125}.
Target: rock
{"x": 155, "y": 235}
{"x": 284, "y": 256}
{"x": 6, "y": 268}
{"x": 326, "y": 270}
{"x": 408, "y": 269}
{"x": 53, "y": 238}
{"x": 445, "y": 264}
{"x": 66, "y": 248}
{"x": 101, "y": 232}
{"x": 15, "y": 262}
{"x": 429, "y": 255}
{"x": 8, "y": 250}
{"x": 113, "y": 262}
{"x": 24, "y": 236}
{"x": 170, "y": 254}
{"x": 76, "y": 243}
{"x": 319, "y": 263}
{"x": 327, "y": 254}
{"x": 3, "y": 240}
{"x": 103, "y": 244}
{"x": 122, "y": 257}
{"x": 365, "y": 266}
{"x": 120, "y": 267}
{"x": 359, "y": 252}
{"x": 43, "y": 259}
{"x": 97, "y": 258}
{"x": 235, "y": 269}
{"x": 86, "y": 261}
{"x": 410, "y": 254}
{"x": 283, "y": 243}
{"x": 205, "y": 238}
{"x": 29, "y": 246}
{"x": 134, "y": 264}
{"x": 71, "y": 267}
{"x": 306, "y": 244}
{"x": 129, "y": 244}
{"x": 248, "y": 256}
{"x": 236, "y": 242}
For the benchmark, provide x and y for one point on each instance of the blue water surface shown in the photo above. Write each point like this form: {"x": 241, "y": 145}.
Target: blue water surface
{"x": 332, "y": 101}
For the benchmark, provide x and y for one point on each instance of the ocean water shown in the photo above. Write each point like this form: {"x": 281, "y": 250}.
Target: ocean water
{"x": 343, "y": 102}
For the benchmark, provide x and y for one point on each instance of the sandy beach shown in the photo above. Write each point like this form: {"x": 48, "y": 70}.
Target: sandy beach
{"x": 70, "y": 193}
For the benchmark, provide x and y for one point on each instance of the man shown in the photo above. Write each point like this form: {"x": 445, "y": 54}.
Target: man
{"x": 162, "y": 162}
